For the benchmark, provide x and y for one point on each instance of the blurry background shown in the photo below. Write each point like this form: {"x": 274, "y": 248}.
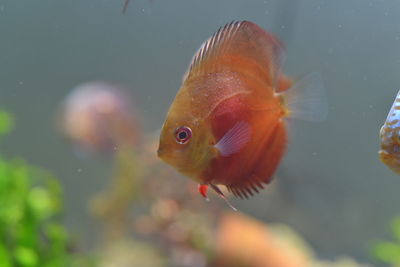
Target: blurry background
{"x": 330, "y": 188}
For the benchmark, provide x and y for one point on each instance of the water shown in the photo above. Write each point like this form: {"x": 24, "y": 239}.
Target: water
{"x": 333, "y": 189}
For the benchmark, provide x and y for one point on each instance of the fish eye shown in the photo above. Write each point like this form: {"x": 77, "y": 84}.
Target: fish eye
{"x": 183, "y": 134}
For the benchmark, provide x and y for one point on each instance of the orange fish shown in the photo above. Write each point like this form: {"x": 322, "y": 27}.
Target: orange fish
{"x": 226, "y": 125}
{"x": 390, "y": 137}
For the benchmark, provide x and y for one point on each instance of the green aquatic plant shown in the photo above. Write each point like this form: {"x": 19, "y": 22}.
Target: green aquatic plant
{"x": 29, "y": 200}
{"x": 31, "y": 232}
{"x": 389, "y": 251}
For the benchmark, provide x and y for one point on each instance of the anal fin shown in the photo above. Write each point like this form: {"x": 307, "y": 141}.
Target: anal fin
{"x": 266, "y": 165}
{"x": 203, "y": 188}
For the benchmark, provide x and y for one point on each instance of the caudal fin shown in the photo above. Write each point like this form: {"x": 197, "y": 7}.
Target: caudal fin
{"x": 306, "y": 99}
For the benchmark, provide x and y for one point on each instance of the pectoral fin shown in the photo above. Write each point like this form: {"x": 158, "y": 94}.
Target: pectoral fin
{"x": 234, "y": 139}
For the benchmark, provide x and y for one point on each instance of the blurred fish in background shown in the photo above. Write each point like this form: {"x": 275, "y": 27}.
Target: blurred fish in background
{"x": 390, "y": 137}
{"x": 98, "y": 117}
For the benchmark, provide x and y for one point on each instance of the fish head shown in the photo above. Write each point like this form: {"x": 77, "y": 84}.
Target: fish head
{"x": 186, "y": 141}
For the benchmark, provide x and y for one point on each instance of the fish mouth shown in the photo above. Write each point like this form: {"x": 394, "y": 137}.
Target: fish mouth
{"x": 160, "y": 152}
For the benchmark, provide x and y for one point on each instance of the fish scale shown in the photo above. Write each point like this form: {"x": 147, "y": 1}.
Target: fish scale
{"x": 390, "y": 137}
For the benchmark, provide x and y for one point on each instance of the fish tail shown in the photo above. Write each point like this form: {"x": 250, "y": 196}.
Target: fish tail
{"x": 306, "y": 99}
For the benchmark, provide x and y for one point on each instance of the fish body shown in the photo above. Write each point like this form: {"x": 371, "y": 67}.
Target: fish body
{"x": 390, "y": 137}
{"x": 229, "y": 112}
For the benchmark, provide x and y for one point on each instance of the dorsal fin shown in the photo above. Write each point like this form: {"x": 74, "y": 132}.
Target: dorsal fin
{"x": 215, "y": 43}
{"x": 238, "y": 42}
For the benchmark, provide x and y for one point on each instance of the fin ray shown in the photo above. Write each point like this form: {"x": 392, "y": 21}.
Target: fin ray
{"x": 219, "y": 192}
{"x": 234, "y": 139}
{"x": 241, "y": 39}
{"x": 306, "y": 99}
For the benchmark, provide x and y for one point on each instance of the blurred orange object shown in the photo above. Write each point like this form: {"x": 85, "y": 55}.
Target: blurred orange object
{"x": 246, "y": 242}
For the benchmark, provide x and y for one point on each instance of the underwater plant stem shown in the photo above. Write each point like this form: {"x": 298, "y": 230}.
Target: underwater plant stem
{"x": 114, "y": 206}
